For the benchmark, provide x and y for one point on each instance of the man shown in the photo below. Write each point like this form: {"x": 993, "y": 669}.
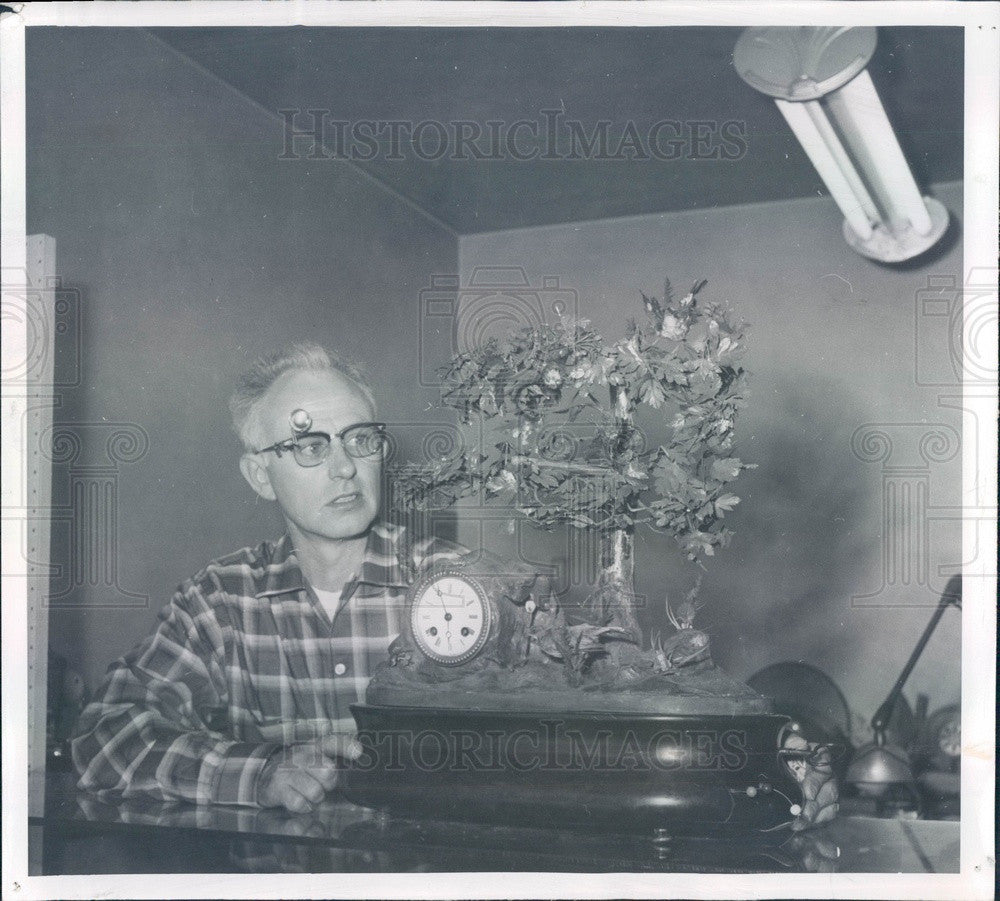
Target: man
{"x": 242, "y": 694}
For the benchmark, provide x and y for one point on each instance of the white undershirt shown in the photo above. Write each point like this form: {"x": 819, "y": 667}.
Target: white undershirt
{"x": 330, "y": 601}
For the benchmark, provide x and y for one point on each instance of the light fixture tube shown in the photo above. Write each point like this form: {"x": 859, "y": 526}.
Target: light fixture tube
{"x": 820, "y": 84}
{"x": 859, "y": 114}
{"x": 832, "y": 164}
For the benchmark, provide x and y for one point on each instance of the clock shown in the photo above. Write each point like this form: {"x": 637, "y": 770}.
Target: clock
{"x": 942, "y": 739}
{"x": 451, "y": 616}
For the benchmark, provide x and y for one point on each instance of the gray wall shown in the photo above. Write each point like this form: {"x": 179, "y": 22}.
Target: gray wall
{"x": 193, "y": 250}
{"x": 834, "y": 344}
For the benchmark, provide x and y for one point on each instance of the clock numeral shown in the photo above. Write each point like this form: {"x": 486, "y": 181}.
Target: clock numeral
{"x": 449, "y": 618}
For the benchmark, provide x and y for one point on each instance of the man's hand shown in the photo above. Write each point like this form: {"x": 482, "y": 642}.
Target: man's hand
{"x": 299, "y": 776}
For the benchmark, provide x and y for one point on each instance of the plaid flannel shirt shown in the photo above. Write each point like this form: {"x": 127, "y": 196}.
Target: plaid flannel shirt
{"x": 245, "y": 660}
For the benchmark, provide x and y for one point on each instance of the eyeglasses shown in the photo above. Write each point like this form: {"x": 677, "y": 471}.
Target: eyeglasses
{"x": 363, "y": 439}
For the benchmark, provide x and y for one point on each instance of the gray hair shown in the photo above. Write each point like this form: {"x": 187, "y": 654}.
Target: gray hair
{"x": 257, "y": 380}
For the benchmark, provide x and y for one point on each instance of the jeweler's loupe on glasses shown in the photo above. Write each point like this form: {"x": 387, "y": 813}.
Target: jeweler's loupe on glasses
{"x": 310, "y": 448}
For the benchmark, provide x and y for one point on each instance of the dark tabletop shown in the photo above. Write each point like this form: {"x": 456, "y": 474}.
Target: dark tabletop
{"x": 81, "y": 834}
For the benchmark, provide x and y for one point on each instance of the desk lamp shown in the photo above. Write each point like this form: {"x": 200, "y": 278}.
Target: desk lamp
{"x": 879, "y": 764}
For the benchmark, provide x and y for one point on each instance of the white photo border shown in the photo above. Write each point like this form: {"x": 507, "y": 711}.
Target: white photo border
{"x": 976, "y": 878}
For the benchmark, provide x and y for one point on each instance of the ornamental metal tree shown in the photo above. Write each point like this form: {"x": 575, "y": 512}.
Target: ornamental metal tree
{"x": 560, "y": 442}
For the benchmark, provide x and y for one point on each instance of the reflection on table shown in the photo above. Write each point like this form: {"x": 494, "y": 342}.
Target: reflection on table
{"x": 81, "y": 834}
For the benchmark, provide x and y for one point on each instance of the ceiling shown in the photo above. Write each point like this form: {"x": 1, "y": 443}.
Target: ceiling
{"x": 621, "y": 75}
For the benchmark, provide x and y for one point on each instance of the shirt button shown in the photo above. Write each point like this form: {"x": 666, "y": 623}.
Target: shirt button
{"x": 340, "y": 669}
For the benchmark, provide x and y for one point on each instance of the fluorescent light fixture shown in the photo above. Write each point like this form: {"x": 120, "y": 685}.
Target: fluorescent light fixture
{"x": 819, "y": 81}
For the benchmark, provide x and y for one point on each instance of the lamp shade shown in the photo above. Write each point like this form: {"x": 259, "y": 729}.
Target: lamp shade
{"x": 876, "y": 766}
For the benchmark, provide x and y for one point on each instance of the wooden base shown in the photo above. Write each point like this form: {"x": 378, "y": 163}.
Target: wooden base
{"x": 687, "y": 774}
{"x": 559, "y": 702}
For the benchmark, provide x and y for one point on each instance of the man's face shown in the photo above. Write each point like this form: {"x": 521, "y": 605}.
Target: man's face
{"x": 339, "y": 498}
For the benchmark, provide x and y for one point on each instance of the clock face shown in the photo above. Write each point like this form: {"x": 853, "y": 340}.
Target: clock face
{"x": 950, "y": 737}
{"x": 450, "y": 617}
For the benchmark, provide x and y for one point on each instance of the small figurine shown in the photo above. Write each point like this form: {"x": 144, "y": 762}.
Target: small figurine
{"x": 684, "y": 617}
{"x": 574, "y": 645}
{"x": 687, "y": 647}
{"x": 547, "y": 627}
{"x": 655, "y": 310}
{"x": 587, "y": 640}
{"x": 400, "y": 653}
{"x": 520, "y": 641}
{"x": 813, "y": 770}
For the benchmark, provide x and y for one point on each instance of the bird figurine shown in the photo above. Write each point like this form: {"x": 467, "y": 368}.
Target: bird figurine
{"x": 655, "y": 310}
{"x": 689, "y": 299}
{"x": 683, "y": 617}
{"x": 575, "y": 644}
{"x": 685, "y": 648}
